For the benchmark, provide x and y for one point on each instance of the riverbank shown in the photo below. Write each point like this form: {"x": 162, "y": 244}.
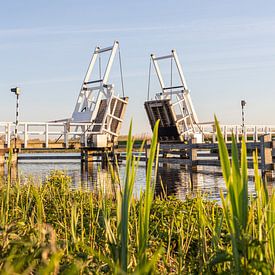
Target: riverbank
{"x": 51, "y": 227}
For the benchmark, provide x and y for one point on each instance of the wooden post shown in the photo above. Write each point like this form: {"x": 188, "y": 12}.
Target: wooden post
{"x": 193, "y": 154}
{"x": 14, "y": 158}
{"x": 104, "y": 159}
{"x": 266, "y": 155}
{"x": 2, "y": 171}
{"x": 2, "y": 158}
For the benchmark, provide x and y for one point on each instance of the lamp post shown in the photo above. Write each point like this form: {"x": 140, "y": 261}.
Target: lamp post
{"x": 16, "y": 91}
{"x": 243, "y": 103}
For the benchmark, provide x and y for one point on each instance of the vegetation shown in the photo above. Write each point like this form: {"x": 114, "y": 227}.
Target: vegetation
{"x": 51, "y": 229}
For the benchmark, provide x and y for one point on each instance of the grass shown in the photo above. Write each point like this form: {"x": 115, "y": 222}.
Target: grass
{"x": 51, "y": 229}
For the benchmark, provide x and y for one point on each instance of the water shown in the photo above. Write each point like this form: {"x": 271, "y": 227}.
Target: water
{"x": 174, "y": 179}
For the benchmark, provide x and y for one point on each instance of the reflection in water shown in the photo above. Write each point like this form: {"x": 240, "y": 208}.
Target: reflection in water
{"x": 13, "y": 172}
{"x": 174, "y": 179}
{"x": 93, "y": 176}
{"x": 179, "y": 181}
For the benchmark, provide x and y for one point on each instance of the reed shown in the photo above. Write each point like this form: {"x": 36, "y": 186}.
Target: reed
{"x": 49, "y": 228}
{"x": 250, "y": 220}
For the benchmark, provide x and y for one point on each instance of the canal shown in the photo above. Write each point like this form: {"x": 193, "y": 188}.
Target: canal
{"x": 176, "y": 180}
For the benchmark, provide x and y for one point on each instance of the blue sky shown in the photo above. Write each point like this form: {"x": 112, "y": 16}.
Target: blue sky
{"x": 227, "y": 49}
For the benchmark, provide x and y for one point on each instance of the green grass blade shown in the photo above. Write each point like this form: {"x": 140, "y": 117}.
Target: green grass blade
{"x": 224, "y": 157}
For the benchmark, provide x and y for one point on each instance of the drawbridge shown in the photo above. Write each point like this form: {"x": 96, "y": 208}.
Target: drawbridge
{"x": 173, "y": 105}
{"x": 99, "y": 112}
{"x": 98, "y": 104}
{"x": 97, "y": 117}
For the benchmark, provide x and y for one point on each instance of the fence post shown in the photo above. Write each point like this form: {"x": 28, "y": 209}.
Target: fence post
{"x": 266, "y": 155}
{"x": 25, "y": 135}
{"x": 237, "y": 134}
{"x": 66, "y": 136}
{"x": 255, "y": 134}
{"x": 245, "y": 134}
{"x": 214, "y": 134}
{"x": 8, "y": 135}
{"x": 46, "y": 135}
{"x": 85, "y": 136}
{"x": 225, "y": 133}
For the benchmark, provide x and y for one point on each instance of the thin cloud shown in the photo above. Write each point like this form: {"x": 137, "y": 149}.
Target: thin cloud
{"x": 70, "y": 30}
{"x": 228, "y": 26}
{"x": 45, "y": 81}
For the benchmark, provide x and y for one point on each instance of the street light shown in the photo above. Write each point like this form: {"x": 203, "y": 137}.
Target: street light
{"x": 243, "y": 103}
{"x": 16, "y": 91}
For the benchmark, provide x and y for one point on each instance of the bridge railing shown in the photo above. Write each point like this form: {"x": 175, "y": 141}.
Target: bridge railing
{"x": 55, "y": 132}
{"x": 251, "y": 133}
{"x": 46, "y": 132}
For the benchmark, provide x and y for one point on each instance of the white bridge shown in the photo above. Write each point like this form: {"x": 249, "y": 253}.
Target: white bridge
{"x": 99, "y": 113}
{"x": 96, "y": 119}
{"x": 178, "y": 119}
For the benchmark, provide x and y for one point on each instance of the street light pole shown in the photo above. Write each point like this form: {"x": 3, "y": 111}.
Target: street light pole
{"x": 16, "y": 91}
{"x": 243, "y": 103}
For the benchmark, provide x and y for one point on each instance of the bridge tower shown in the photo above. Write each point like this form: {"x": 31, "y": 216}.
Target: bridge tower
{"x": 98, "y": 103}
{"x": 173, "y": 105}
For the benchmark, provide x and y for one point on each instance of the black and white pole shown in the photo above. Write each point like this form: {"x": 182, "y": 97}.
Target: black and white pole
{"x": 243, "y": 103}
{"x": 16, "y": 91}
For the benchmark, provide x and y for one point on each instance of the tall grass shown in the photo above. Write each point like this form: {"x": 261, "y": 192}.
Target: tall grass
{"x": 250, "y": 221}
{"x": 119, "y": 242}
{"x": 51, "y": 229}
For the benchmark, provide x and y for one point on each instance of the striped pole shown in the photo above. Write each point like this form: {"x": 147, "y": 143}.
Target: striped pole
{"x": 243, "y": 104}
{"x": 16, "y": 91}
{"x": 16, "y": 122}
